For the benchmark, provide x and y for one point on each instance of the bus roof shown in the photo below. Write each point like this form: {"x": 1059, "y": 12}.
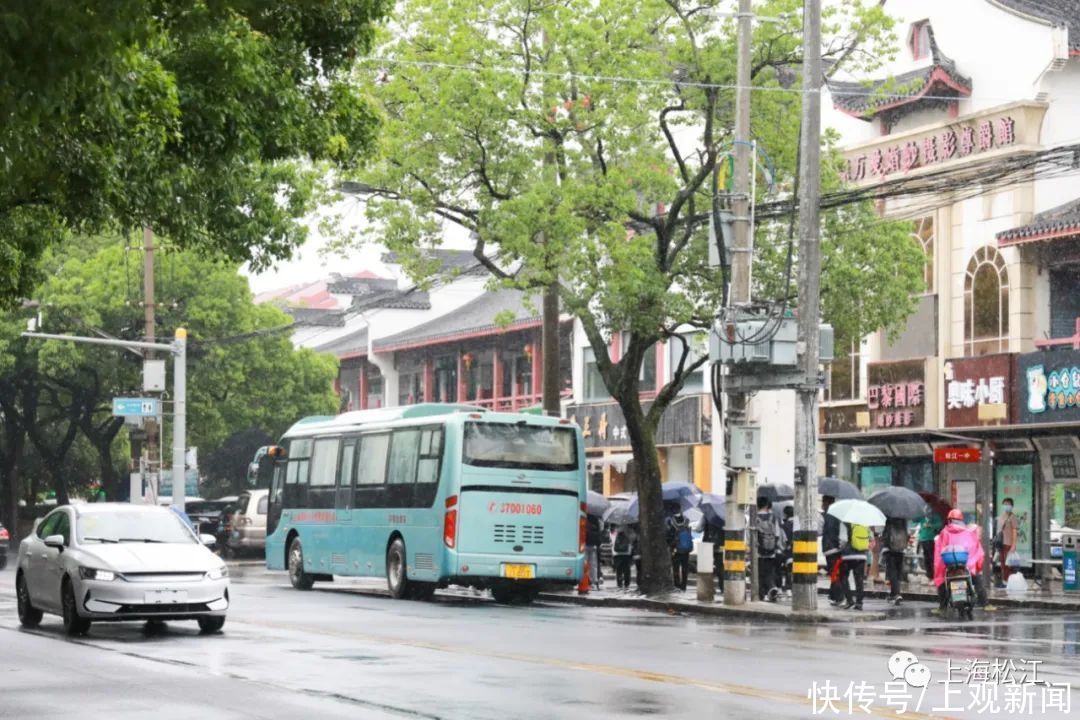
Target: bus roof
{"x": 315, "y": 425}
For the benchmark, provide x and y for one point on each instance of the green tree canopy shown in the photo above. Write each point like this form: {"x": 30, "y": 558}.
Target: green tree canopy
{"x": 580, "y": 148}
{"x": 206, "y": 120}
{"x": 243, "y": 371}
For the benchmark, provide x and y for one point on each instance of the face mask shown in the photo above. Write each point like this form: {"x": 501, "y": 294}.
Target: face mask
{"x": 1008, "y": 508}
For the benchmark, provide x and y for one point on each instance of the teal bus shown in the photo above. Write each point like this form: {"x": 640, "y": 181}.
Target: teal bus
{"x": 428, "y": 496}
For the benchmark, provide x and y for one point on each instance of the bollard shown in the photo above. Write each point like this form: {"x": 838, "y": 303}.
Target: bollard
{"x": 706, "y": 580}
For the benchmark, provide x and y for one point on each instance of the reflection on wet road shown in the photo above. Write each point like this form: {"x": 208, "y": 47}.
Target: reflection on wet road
{"x": 465, "y": 657}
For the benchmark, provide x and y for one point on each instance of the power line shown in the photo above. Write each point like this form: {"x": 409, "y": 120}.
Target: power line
{"x": 647, "y": 82}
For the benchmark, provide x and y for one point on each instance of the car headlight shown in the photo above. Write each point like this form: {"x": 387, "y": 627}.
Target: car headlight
{"x": 218, "y": 573}
{"x": 94, "y": 574}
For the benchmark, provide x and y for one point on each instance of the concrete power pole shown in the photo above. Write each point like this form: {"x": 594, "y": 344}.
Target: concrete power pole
{"x": 804, "y": 585}
{"x": 550, "y": 343}
{"x": 150, "y": 425}
{"x": 734, "y": 523}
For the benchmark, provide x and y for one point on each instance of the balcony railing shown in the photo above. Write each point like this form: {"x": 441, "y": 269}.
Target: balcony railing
{"x": 1073, "y": 341}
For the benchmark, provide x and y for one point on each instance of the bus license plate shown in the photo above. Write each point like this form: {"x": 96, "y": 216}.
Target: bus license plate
{"x": 519, "y": 572}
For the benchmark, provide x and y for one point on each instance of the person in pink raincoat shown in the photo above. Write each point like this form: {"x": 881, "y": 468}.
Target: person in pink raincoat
{"x": 956, "y": 533}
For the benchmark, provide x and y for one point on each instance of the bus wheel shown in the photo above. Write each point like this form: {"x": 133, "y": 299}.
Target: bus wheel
{"x": 397, "y": 579}
{"x": 421, "y": 591}
{"x": 299, "y": 579}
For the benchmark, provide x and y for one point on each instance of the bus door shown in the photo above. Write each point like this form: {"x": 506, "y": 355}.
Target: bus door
{"x": 277, "y": 490}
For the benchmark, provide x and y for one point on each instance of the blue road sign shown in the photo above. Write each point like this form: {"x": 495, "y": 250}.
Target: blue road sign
{"x": 135, "y": 407}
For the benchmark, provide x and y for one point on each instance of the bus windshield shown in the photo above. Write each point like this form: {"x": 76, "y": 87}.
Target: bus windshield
{"x": 520, "y": 446}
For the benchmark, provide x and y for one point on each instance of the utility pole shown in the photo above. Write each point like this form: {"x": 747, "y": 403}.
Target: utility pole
{"x": 804, "y": 585}
{"x": 150, "y": 425}
{"x": 734, "y": 522}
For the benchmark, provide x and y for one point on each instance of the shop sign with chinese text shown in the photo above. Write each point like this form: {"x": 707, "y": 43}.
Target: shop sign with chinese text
{"x": 974, "y": 381}
{"x": 1048, "y": 386}
{"x": 896, "y": 395}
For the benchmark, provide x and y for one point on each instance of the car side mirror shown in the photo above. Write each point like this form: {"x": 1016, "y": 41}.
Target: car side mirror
{"x": 55, "y": 541}
{"x": 207, "y": 540}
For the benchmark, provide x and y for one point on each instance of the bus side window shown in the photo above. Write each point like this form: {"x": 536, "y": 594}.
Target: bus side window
{"x": 428, "y": 467}
{"x": 296, "y": 475}
{"x": 404, "y": 454}
{"x": 371, "y": 471}
{"x": 346, "y": 470}
{"x": 322, "y": 491}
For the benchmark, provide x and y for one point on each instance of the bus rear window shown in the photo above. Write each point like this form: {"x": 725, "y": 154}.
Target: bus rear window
{"x": 520, "y": 446}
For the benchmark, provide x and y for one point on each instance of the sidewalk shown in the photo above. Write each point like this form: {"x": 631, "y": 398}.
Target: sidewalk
{"x": 920, "y": 589}
{"x": 686, "y": 602}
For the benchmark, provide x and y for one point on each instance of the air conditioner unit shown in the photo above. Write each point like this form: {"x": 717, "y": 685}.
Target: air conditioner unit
{"x": 1013, "y": 445}
{"x": 1057, "y": 442}
{"x": 914, "y": 449}
{"x": 872, "y": 451}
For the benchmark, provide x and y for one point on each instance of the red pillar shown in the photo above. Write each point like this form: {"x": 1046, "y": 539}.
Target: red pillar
{"x": 496, "y": 377}
{"x": 429, "y": 380}
{"x": 537, "y": 367}
{"x": 362, "y": 383}
{"x": 461, "y": 386}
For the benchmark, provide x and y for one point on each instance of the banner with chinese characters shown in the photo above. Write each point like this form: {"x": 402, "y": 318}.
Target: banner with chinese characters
{"x": 974, "y": 381}
{"x": 896, "y": 395}
{"x": 1048, "y": 387}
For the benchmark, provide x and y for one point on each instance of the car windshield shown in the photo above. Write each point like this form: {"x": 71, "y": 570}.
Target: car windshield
{"x": 126, "y": 526}
{"x": 210, "y": 506}
{"x": 520, "y": 446}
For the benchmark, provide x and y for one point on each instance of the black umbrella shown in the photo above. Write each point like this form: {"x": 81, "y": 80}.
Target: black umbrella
{"x": 839, "y": 489}
{"x": 776, "y": 491}
{"x": 898, "y": 502}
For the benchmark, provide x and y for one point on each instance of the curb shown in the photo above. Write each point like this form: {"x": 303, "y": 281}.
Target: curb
{"x": 745, "y": 612}
{"x": 1068, "y": 605}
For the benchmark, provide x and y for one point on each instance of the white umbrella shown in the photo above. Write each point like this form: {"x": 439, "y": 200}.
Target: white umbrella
{"x": 857, "y": 512}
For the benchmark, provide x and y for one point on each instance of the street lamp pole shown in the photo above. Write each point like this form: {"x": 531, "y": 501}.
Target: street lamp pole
{"x": 178, "y": 349}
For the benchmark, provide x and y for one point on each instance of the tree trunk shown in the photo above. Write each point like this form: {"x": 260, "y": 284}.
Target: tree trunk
{"x": 9, "y": 486}
{"x": 656, "y": 572}
{"x": 551, "y": 351}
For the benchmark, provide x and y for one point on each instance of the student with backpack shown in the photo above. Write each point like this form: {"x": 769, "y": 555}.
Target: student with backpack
{"x": 621, "y": 552}
{"x": 895, "y": 541}
{"x": 684, "y": 544}
{"x": 853, "y": 563}
{"x": 770, "y": 546}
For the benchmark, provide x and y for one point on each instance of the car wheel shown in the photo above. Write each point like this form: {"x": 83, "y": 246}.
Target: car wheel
{"x": 299, "y": 579}
{"x": 211, "y": 624}
{"x": 397, "y": 576}
{"x": 29, "y": 616}
{"x": 74, "y": 624}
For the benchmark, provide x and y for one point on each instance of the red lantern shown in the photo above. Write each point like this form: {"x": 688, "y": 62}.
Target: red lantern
{"x": 467, "y": 359}
{"x": 528, "y": 351}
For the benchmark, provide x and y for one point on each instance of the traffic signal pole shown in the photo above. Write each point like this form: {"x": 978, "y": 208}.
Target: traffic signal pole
{"x": 178, "y": 350}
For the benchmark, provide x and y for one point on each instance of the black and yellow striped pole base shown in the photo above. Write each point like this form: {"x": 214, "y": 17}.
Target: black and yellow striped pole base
{"x": 804, "y": 553}
{"x": 734, "y": 556}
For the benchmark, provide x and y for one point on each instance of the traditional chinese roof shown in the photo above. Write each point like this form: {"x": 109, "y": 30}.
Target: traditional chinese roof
{"x": 1056, "y": 12}
{"x": 355, "y": 344}
{"x": 897, "y": 95}
{"x": 459, "y": 262}
{"x": 1059, "y": 222}
{"x": 474, "y": 318}
{"x": 320, "y": 317}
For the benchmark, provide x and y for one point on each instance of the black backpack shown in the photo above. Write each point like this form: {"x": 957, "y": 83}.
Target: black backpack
{"x": 897, "y": 538}
{"x": 621, "y": 545}
{"x": 767, "y": 539}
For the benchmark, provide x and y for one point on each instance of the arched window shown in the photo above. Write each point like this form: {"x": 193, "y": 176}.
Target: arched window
{"x": 923, "y": 233}
{"x": 986, "y": 303}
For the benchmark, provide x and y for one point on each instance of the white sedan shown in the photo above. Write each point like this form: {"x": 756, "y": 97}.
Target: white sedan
{"x": 114, "y": 561}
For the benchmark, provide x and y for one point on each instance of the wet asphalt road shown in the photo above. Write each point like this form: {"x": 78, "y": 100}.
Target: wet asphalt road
{"x": 340, "y": 651}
